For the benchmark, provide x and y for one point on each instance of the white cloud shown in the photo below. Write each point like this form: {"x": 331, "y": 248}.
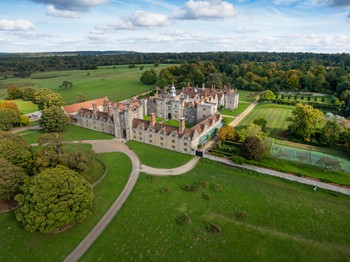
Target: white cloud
{"x": 16, "y": 25}
{"x": 73, "y": 5}
{"x": 137, "y": 19}
{"x": 32, "y": 34}
{"x": 52, "y": 11}
{"x": 145, "y": 19}
{"x": 194, "y": 10}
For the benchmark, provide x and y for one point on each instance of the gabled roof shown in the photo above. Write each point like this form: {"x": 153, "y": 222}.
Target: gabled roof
{"x": 70, "y": 109}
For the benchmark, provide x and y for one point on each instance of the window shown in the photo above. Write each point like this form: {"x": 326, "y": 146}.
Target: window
{"x": 173, "y": 147}
{"x": 204, "y": 109}
{"x": 173, "y": 140}
{"x": 161, "y": 143}
{"x": 150, "y": 140}
{"x": 162, "y": 138}
{"x": 185, "y": 144}
{"x": 150, "y": 135}
{"x": 140, "y": 133}
{"x": 140, "y": 138}
{"x": 185, "y": 149}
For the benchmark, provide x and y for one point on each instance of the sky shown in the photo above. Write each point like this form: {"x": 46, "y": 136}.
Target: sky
{"x": 319, "y": 26}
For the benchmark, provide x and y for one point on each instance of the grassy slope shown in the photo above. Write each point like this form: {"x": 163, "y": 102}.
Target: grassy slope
{"x": 72, "y": 133}
{"x": 158, "y": 157}
{"x": 20, "y": 245}
{"x": 285, "y": 221}
{"x": 275, "y": 115}
{"x": 118, "y": 84}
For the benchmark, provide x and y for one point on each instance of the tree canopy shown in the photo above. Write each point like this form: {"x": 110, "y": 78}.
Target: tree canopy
{"x": 149, "y": 77}
{"x": 54, "y": 198}
{"x": 304, "y": 121}
{"x": 253, "y": 148}
{"x": 16, "y": 150}
{"x": 54, "y": 119}
{"x": 11, "y": 178}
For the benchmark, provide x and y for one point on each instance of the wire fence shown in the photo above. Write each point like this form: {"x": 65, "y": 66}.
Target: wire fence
{"x": 307, "y": 156}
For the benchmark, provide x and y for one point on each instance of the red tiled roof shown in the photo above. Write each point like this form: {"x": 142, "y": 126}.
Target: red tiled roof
{"x": 70, "y": 109}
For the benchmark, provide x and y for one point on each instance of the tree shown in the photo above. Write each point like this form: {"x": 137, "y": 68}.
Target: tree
{"x": 11, "y": 178}
{"x": 227, "y": 133}
{"x": 165, "y": 78}
{"x": 54, "y": 119}
{"x": 29, "y": 94}
{"x": 81, "y": 98}
{"x": 66, "y": 85}
{"x": 251, "y": 130}
{"x": 149, "y": 77}
{"x": 214, "y": 79}
{"x": 268, "y": 95}
{"x": 24, "y": 120}
{"x": 9, "y": 118}
{"x": 253, "y": 148}
{"x": 305, "y": 121}
{"x": 330, "y": 132}
{"x": 54, "y": 198}
{"x": 52, "y": 140}
{"x": 328, "y": 163}
{"x": 16, "y": 150}
{"x": 13, "y": 92}
{"x": 45, "y": 98}
{"x": 9, "y": 105}
{"x": 261, "y": 122}
{"x": 345, "y": 97}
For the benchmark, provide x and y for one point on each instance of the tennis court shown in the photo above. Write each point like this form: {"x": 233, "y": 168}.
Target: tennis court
{"x": 306, "y": 156}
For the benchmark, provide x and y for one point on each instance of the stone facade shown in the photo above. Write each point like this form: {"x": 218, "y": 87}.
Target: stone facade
{"x": 197, "y": 106}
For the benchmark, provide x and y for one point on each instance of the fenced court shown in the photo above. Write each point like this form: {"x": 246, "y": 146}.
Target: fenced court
{"x": 307, "y": 156}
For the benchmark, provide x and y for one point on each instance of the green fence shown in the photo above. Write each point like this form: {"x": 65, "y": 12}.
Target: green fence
{"x": 306, "y": 156}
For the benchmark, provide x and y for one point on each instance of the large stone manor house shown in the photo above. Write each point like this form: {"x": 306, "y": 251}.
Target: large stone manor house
{"x": 198, "y": 107}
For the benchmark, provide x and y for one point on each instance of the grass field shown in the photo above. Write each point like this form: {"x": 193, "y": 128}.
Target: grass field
{"x": 247, "y": 96}
{"x": 117, "y": 83}
{"x": 20, "y": 245}
{"x": 158, "y": 157}
{"x": 275, "y": 115}
{"x": 284, "y": 221}
{"x": 72, "y": 133}
{"x": 241, "y": 107}
{"x": 24, "y": 107}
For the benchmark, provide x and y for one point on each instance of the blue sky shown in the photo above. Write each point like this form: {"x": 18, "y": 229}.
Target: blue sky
{"x": 175, "y": 26}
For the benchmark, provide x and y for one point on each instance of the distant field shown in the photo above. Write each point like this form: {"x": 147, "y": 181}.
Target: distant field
{"x": 25, "y": 107}
{"x": 283, "y": 221}
{"x": 116, "y": 82}
{"x": 275, "y": 115}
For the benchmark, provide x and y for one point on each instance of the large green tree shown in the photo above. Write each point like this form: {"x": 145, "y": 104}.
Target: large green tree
{"x": 268, "y": 95}
{"x": 305, "y": 121}
{"x": 253, "y": 148}
{"x": 45, "y": 98}
{"x": 16, "y": 150}
{"x": 252, "y": 130}
{"x": 11, "y": 178}
{"x": 54, "y": 119}
{"x": 149, "y": 77}
{"x": 9, "y": 118}
{"x": 53, "y": 199}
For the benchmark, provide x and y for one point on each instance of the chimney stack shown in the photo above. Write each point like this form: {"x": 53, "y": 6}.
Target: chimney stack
{"x": 153, "y": 119}
{"x": 110, "y": 110}
{"x": 182, "y": 125}
{"x": 94, "y": 108}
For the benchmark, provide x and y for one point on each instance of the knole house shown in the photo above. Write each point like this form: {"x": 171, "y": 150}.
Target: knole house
{"x": 196, "y": 106}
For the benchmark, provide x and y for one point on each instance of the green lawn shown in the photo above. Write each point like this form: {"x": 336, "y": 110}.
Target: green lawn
{"x": 276, "y": 116}
{"x": 228, "y": 120}
{"x": 148, "y": 118}
{"x": 176, "y": 123}
{"x": 25, "y": 107}
{"x": 241, "y": 107}
{"x": 19, "y": 245}
{"x": 284, "y": 221}
{"x": 116, "y": 82}
{"x": 72, "y": 133}
{"x": 158, "y": 157}
{"x": 247, "y": 96}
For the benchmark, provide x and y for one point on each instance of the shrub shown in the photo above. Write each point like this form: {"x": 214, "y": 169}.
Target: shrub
{"x": 204, "y": 183}
{"x": 253, "y": 148}
{"x": 183, "y": 219}
{"x": 150, "y": 178}
{"x": 165, "y": 190}
{"x": 238, "y": 159}
{"x": 241, "y": 215}
{"x": 212, "y": 228}
{"x": 206, "y": 196}
{"x": 186, "y": 187}
{"x": 216, "y": 187}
